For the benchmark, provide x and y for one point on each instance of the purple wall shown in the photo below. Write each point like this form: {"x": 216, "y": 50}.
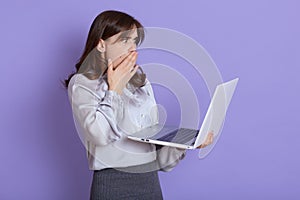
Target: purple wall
{"x": 256, "y": 157}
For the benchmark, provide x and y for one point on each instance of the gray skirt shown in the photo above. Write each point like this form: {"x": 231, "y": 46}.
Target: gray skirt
{"x": 120, "y": 184}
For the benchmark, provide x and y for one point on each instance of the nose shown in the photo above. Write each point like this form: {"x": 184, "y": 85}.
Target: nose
{"x": 133, "y": 47}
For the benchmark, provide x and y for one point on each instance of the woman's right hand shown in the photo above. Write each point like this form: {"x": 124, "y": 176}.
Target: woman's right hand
{"x": 209, "y": 139}
{"x": 118, "y": 76}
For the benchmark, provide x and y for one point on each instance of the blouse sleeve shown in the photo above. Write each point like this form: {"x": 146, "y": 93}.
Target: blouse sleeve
{"x": 167, "y": 157}
{"x": 96, "y": 116}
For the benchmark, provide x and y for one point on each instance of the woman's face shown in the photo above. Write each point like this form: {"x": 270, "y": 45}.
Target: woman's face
{"x": 117, "y": 49}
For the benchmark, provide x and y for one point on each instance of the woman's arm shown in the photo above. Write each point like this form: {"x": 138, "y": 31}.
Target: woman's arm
{"x": 169, "y": 157}
{"x": 96, "y": 118}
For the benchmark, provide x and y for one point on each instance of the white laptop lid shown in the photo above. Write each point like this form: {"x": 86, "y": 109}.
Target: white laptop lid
{"x": 216, "y": 113}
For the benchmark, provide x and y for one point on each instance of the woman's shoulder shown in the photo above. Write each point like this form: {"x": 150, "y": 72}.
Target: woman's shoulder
{"x": 98, "y": 85}
{"x": 81, "y": 79}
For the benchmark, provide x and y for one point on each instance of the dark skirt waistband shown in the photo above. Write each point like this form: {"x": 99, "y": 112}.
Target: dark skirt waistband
{"x": 120, "y": 183}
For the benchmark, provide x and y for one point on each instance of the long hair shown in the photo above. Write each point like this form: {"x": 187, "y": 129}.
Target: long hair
{"x": 105, "y": 25}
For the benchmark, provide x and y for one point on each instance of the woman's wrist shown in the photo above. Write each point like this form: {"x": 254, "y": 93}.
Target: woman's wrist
{"x": 115, "y": 90}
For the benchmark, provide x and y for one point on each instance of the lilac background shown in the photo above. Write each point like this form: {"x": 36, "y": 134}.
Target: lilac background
{"x": 257, "y": 156}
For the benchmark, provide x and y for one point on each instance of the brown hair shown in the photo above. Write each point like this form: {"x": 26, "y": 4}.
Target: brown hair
{"x": 105, "y": 25}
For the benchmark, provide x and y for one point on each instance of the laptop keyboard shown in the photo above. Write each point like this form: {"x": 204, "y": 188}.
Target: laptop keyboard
{"x": 181, "y": 136}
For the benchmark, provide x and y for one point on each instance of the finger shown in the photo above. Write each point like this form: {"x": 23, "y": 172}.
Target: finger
{"x": 134, "y": 69}
{"x": 132, "y": 72}
{"x": 128, "y": 62}
{"x": 212, "y": 139}
{"x": 126, "y": 56}
{"x": 131, "y": 61}
{"x": 129, "y": 56}
{"x": 206, "y": 142}
{"x": 209, "y": 137}
{"x": 110, "y": 65}
{"x": 202, "y": 146}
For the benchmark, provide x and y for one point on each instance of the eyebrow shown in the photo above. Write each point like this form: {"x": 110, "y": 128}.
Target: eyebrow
{"x": 130, "y": 37}
{"x": 125, "y": 37}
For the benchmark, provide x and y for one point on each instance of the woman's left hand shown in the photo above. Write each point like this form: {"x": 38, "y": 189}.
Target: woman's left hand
{"x": 208, "y": 141}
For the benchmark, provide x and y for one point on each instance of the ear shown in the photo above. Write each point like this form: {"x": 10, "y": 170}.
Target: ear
{"x": 101, "y": 46}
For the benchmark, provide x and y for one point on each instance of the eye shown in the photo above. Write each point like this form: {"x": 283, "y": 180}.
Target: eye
{"x": 136, "y": 41}
{"x": 125, "y": 40}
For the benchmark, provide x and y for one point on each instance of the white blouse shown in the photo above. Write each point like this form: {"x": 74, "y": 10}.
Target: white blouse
{"x": 103, "y": 119}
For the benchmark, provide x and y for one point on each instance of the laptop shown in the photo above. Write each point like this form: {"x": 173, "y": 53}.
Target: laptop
{"x": 186, "y": 138}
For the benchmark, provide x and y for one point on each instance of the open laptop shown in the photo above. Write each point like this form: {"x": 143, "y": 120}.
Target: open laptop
{"x": 189, "y": 138}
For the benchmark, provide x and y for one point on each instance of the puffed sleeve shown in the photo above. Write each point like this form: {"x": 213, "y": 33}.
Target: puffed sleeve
{"x": 96, "y": 113}
{"x": 167, "y": 157}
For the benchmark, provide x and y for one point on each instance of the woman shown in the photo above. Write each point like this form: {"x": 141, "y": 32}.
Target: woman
{"x": 111, "y": 98}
